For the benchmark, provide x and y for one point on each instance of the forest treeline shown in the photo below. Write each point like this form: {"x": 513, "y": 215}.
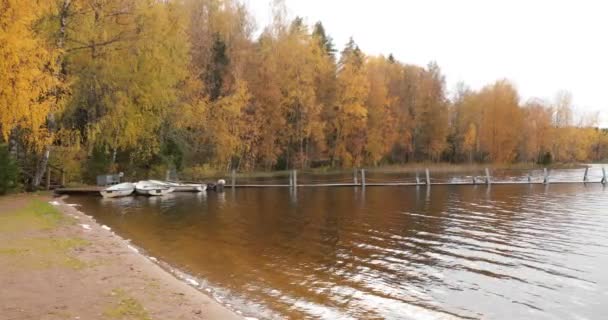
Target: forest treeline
{"x": 142, "y": 86}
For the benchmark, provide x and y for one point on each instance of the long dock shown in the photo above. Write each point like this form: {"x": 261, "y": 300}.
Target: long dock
{"x": 407, "y": 184}
{"x": 359, "y": 180}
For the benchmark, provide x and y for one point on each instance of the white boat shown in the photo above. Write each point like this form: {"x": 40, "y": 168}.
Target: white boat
{"x": 119, "y": 190}
{"x": 181, "y": 187}
{"x": 150, "y": 188}
{"x": 190, "y": 187}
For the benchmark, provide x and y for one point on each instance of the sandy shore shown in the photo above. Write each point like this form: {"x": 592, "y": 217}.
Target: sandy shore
{"x": 58, "y": 263}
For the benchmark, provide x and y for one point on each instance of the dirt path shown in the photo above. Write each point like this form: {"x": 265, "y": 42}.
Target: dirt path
{"x": 57, "y": 263}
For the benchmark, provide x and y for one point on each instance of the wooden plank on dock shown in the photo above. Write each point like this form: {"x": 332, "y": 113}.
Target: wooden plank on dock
{"x": 79, "y": 190}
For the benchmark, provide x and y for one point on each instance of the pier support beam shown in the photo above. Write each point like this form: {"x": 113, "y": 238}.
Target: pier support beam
{"x": 428, "y": 177}
{"x": 295, "y": 178}
{"x": 546, "y": 176}
{"x": 488, "y": 180}
{"x": 355, "y": 177}
{"x": 363, "y": 178}
{"x": 417, "y": 178}
{"x": 586, "y": 178}
{"x": 604, "y": 178}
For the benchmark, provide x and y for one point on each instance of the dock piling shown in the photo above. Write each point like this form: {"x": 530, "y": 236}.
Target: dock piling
{"x": 363, "y": 178}
{"x": 586, "y": 178}
{"x": 417, "y": 178}
{"x": 546, "y": 176}
{"x": 488, "y": 181}
{"x": 295, "y": 179}
{"x": 428, "y": 177}
{"x": 355, "y": 178}
{"x": 233, "y": 179}
{"x": 604, "y": 179}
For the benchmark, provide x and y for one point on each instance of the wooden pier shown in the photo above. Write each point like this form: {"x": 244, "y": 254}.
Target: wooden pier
{"x": 361, "y": 180}
{"x": 87, "y": 190}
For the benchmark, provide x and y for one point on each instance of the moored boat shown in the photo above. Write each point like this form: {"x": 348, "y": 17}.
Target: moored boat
{"x": 119, "y": 190}
{"x": 149, "y": 188}
{"x": 189, "y": 187}
{"x": 181, "y": 187}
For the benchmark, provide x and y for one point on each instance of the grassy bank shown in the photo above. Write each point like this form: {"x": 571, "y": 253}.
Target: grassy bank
{"x": 28, "y": 241}
{"x": 58, "y": 263}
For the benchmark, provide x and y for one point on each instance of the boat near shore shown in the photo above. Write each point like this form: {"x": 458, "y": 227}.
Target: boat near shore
{"x": 182, "y": 187}
{"x": 119, "y": 190}
{"x": 149, "y": 188}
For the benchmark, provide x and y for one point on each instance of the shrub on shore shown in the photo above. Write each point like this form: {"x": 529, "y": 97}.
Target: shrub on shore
{"x": 9, "y": 172}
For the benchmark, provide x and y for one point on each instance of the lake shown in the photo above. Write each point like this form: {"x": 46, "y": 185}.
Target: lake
{"x": 472, "y": 252}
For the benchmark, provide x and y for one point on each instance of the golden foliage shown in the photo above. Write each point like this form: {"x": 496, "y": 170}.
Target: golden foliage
{"x": 150, "y": 85}
{"x": 26, "y": 73}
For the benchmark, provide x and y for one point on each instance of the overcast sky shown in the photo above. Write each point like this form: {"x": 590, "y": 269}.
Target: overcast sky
{"x": 542, "y": 46}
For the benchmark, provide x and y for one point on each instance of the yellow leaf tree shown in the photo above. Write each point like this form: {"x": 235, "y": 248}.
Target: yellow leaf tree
{"x": 27, "y": 80}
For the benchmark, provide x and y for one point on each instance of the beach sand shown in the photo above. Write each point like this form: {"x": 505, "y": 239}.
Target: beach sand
{"x": 58, "y": 263}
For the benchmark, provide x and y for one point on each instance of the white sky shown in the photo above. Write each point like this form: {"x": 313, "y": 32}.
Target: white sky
{"x": 541, "y": 46}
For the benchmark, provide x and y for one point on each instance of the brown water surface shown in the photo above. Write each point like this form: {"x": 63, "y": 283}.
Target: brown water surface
{"x": 503, "y": 252}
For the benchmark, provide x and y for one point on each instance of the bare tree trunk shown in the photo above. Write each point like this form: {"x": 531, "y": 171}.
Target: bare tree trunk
{"x": 42, "y": 165}
{"x": 41, "y": 168}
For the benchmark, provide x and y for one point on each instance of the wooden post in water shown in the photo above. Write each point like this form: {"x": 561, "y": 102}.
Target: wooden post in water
{"x": 529, "y": 178}
{"x": 585, "y": 178}
{"x": 546, "y": 176}
{"x": 474, "y": 180}
{"x": 363, "y": 178}
{"x": 291, "y": 179}
{"x": 428, "y": 177}
{"x": 355, "y": 178}
{"x": 488, "y": 181}
{"x": 417, "y": 178}
{"x": 233, "y": 178}
{"x": 295, "y": 179}
{"x": 48, "y": 178}
{"x": 604, "y": 179}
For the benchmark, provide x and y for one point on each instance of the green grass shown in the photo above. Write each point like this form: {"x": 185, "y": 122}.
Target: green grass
{"x": 25, "y": 246}
{"x": 37, "y": 215}
{"x": 126, "y": 308}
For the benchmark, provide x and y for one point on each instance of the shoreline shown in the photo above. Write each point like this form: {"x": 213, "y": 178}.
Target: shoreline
{"x": 107, "y": 277}
{"x": 215, "y": 310}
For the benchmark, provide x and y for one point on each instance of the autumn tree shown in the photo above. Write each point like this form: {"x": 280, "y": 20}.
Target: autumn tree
{"x": 127, "y": 59}
{"x": 349, "y": 117}
{"x": 27, "y": 81}
{"x": 536, "y": 134}
{"x": 381, "y": 108}
{"x": 500, "y": 126}
{"x": 430, "y": 114}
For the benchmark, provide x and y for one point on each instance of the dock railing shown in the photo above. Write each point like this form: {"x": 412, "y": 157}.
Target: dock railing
{"x": 362, "y": 177}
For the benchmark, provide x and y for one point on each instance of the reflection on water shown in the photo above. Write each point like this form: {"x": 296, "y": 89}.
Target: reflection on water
{"x": 504, "y": 252}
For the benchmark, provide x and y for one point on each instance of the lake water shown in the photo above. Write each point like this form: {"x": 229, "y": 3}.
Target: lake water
{"x": 499, "y": 252}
